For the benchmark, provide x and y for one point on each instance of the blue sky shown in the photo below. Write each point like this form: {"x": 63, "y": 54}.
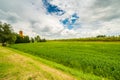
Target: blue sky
{"x": 70, "y": 22}
{"x": 55, "y": 19}
{"x": 52, "y": 9}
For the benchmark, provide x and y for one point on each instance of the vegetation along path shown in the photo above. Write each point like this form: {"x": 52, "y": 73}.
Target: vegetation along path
{"x": 87, "y": 60}
{"x": 15, "y": 66}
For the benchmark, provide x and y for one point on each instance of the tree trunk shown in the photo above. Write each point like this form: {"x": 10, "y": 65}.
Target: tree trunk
{"x": 4, "y": 44}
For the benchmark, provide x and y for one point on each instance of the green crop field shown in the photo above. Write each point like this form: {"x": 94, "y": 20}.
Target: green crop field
{"x": 98, "y": 58}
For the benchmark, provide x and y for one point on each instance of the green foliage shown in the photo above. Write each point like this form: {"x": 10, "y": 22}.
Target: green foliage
{"x": 32, "y": 40}
{"x": 20, "y": 39}
{"x": 43, "y": 40}
{"x": 6, "y": 34}
{"x": 97, "y": 38}
{"x": 26, "y": 39}
{"x": 37, "y": 38}
{"x": 99, "y": 58}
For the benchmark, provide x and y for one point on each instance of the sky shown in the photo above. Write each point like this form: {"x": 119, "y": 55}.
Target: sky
{"x": 56, "y": 19}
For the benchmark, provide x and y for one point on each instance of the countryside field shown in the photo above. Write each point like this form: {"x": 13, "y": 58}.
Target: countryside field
{"x": 60, "y": 40}
{"x": 101, "y": 59}
{"x": 16, "y": 65}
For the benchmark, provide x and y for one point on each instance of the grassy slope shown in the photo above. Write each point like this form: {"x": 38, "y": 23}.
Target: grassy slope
{"x": 15, "y": 65}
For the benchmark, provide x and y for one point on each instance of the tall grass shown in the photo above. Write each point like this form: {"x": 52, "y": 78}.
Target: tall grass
{"x": 99, "y": 58}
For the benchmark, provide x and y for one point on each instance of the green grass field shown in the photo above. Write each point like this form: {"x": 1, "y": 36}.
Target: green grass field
{"x": 98, "y": 58}
{"x": 16, "y": 65}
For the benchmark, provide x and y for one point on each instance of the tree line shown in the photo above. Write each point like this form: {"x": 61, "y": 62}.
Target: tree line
{"x": 8, "y": 36}
{"x": 97, "y": 38}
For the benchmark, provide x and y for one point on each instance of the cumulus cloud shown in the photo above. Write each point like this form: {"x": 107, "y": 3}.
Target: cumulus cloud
{"x": 94, "y": 17}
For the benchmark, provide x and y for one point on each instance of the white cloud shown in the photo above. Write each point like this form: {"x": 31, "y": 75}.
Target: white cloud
{"x": 96, "y": 17}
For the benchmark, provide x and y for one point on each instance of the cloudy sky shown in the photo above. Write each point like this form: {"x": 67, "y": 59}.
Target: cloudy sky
{"x": 62, "y": 18}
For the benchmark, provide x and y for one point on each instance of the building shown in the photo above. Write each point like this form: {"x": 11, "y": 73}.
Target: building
{"x": 21, "y": 33}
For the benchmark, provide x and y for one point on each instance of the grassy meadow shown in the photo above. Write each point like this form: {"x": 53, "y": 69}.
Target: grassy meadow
{"x": 16, "y": 65}
{"x": 99, "y": 58}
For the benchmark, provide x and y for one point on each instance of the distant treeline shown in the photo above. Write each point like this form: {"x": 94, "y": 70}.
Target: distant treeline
{"x": 27, "y": 39}
{"x": 97, "y": 38}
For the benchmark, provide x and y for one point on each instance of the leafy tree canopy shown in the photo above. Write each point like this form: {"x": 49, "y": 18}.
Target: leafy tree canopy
{"x": 6, "y": 34}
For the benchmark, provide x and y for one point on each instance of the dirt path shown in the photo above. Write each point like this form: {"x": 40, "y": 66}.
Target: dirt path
{"x": 20, "y": 67}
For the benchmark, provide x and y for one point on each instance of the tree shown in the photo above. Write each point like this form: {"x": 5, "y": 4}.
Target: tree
{"x": 37, "y": 38}
{"x": 26, "y": 39}
{"x": 101, "y": 36}
{"x": 20, "y": 39}
{"x": 43, "y": 40}
{"x": 6, "y": 34}
{"x": 32, "y": 40}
